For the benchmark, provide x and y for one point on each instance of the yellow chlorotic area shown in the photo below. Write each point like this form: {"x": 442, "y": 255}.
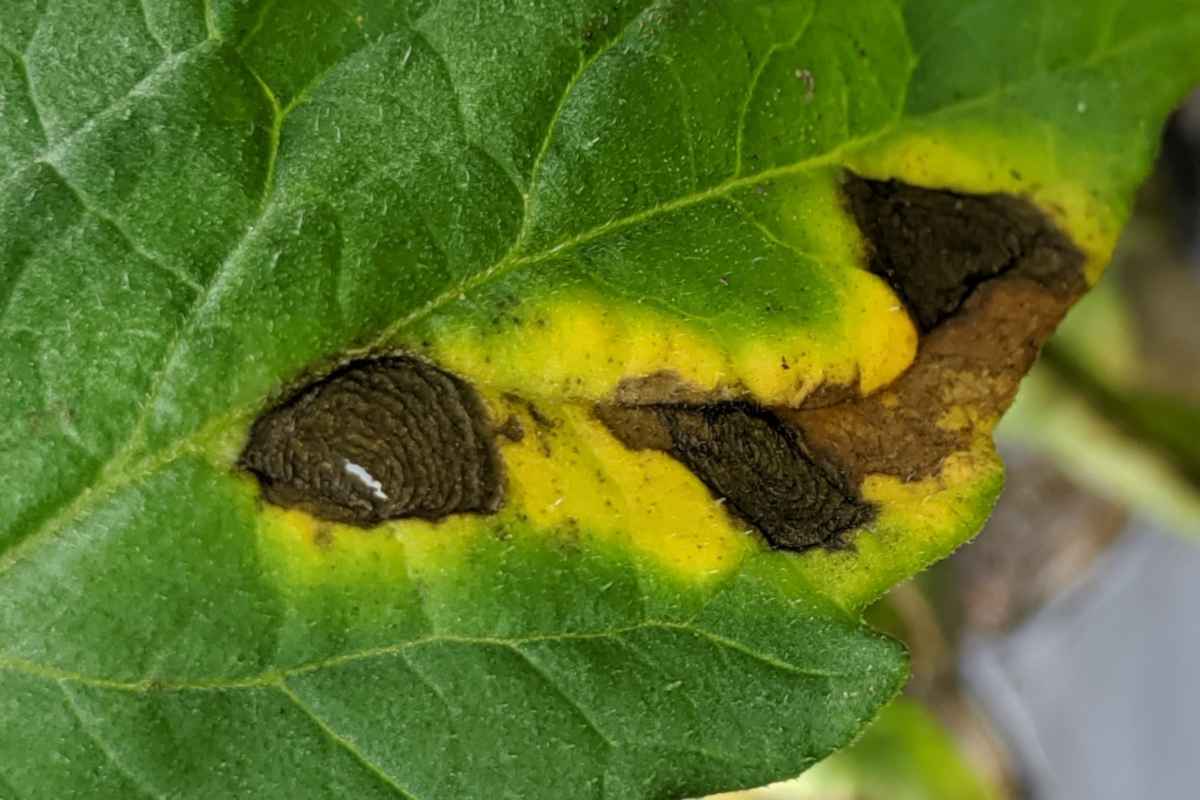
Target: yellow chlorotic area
{"x": 569, "y": 472}
{"x": 580, "y": 343}
{"x": 919, "y": 522}
{"x": 580, "y": 347}
{"x": 567, "y": 476}
{"x": 977, "y": 161}
{"x": 307, "y": 551}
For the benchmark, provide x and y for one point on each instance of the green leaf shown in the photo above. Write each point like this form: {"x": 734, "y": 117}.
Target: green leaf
{"x": 206, "y": 206}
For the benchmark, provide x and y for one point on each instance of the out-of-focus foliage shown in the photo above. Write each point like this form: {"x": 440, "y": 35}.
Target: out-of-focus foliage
{"x": 904, "y": 755}
{"x": 1115, "y": 399}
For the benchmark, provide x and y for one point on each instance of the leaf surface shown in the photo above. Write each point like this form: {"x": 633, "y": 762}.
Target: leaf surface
{"x": 206, "y": 206}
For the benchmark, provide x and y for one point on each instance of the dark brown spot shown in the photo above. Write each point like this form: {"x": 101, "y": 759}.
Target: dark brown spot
{"x": 935, "y": 247}
{"x": 540, "y": 419}
{"x": 378, "y": 439}
{"x": 753, "y": 461}
{"x": 512, "y": 429}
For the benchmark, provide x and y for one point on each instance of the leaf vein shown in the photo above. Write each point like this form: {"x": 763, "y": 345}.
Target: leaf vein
{"x": 103, "y": 746}
{"x": 771, "y": 235}
{"x": 28, "y": 86}
{"x": 571, "y": 702}
{"x": 685, "y": 117}
{"x": 164, "y": 70}
{"x": 210, "y": 21}
{"x": 584, "y": 65}
{"x": 752, "y": 87}
{"x": 136, "y": 247}
{"x": 763, "y": 658}
{"x": 346, "y": 744}
{"x": 263, "y": 11}
{"x": 273, "y": 677}
{"x": 142, "y": 4}
{"x": 277, "y": 118}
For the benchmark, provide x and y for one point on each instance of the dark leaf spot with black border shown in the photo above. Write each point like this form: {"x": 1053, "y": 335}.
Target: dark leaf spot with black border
{"x": 935, "y": 247}
{"x": 755, "y": 462}
{"x": 378, "y": 439}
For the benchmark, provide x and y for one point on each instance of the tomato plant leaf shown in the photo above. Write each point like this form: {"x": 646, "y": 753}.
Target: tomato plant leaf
{"x": 656, "y": 263}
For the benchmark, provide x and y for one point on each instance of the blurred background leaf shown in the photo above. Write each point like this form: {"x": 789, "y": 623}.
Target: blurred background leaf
{"x": 904, "y": 755}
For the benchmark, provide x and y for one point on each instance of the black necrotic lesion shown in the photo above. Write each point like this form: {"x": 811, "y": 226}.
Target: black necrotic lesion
{"x": 758, "y": 464}
{"x": 934, "y": 246}
{"x": 379, "y": 439}
{"x": 755, "y": 462}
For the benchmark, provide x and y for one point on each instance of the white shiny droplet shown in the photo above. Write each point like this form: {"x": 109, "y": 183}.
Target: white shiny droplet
{"x": 366, "y": 478}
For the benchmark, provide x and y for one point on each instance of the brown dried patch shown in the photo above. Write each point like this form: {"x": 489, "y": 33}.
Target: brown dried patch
{"x": 973, "y": 363}
{"x": 968, "y": 367}
{"x": 666, "y": 387}
{"x": 832, "y": 394}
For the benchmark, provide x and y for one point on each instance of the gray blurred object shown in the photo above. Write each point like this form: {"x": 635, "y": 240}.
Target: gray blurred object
{"x": 1045, "y": 534}
{"x": 1097, "y": 692}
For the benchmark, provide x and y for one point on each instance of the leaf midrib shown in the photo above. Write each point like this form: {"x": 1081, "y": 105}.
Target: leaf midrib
{"x": 269, "y": 678}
